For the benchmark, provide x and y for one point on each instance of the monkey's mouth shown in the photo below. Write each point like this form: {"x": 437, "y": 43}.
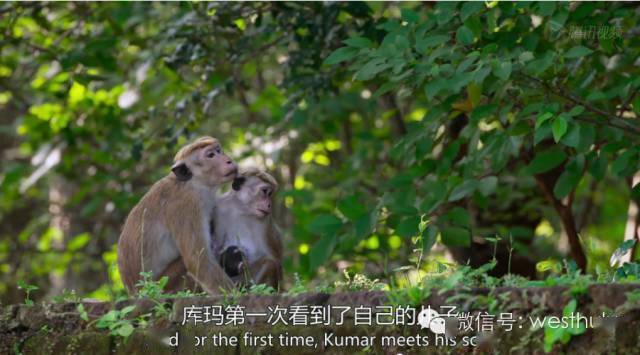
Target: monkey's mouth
{"x": 264, "y": 212}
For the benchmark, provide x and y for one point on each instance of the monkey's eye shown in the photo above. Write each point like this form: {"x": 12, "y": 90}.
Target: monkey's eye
{"x": 218, "y": 150}
{"x": 210, "y": 154}
{"x": 266, "y": 191}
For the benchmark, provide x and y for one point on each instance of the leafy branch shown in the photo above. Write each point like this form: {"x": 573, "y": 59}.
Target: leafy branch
{"x": 613, "y": 120}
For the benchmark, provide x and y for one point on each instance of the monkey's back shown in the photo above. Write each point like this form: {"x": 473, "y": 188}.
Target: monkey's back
{"x": 143, "y": 232}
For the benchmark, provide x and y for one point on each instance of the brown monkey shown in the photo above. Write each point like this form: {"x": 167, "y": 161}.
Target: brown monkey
{"x": 171, "y": 221}
{"x": 245, "y": 237}
{"x": 253, "y": 253}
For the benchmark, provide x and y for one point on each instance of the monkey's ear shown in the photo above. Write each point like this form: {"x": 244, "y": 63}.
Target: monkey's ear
{"x": 181, "y": 171}
{"x": 237, "y": 183}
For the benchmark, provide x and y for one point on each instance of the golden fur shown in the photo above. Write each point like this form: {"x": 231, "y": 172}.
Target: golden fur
{"x": 199, "y": 143}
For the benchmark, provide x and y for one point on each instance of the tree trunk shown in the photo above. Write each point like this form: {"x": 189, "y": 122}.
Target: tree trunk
{"x": 546, "y": 182}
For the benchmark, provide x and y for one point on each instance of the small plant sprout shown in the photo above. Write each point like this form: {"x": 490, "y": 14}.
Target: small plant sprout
{"x": 27, "y": 289}
{"x": 261, "y": 289}
{"x": 83, "y": 312}
{"x": 298, "y": 286}
{"x": 66, "y": 296}
{"x": 117, "y": 323}
{"x": 148, "y": 288}
{"x": 494, "y": 240}
{"x": 359, "y": 282}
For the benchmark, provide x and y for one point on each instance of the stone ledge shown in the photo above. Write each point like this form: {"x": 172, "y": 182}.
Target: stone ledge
{"x": 58, "y": 328}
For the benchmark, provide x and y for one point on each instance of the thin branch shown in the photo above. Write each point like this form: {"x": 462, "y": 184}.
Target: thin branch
{"x": 242, "y": 97}
{"x": 260, "y": 50}
{"x": 612, "y": 118}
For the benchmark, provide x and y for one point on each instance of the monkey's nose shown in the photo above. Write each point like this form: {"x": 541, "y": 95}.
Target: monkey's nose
{"x": 229, "y": 162}
{"x": 269, "y": 206}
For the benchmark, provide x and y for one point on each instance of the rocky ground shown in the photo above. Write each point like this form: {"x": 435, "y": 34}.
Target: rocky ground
{"x": 159, "y": 326}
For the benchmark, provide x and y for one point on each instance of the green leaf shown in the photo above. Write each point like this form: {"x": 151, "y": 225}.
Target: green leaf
{"x": 321, "y": 251}
{"x": 445, "y": 11}
{"x": 371, "y": 69}
{"x": 502, "y": 70}
{"x": 483, "y": 111}
{"x": 435, "y": 188}
{"x": 470, "y": 8}
{"x": 409, "y": 16}
{"x": 83, "y": 313}
{"x": 566, "y": 183}
{"x": 621, "y": 251}
{"x": 488, "y": 185}
{"x": 570, "y": 308}
{"x": 576, "y": 111}
{"x": 325, "y": 224}
{"x": 384, "y": 88}
{"x": 549, "y": 264}
{"x": 459, "y": 217}
{"x": 546, "y": 160}
{"x": 622, "y": 162}
{"x": 351, "y": 208}
{"x": 576, "y": 164}
{"x": 480, "y": 74}
{"x": 519, "y": 128}
{"x": 598, "y": 167}
{"x": 403, "y": 201}
{"x": 526, "y": 56}
{"x": 359, "y": 42}
{"x": 364, "y": 225}
{"x": 408, "y": 227}
{"x": 573, "y": 136}
{"x": 463, "y": 190}
{"x": 433, "y": 87}
{"x": 107, "y": 319}
{"x": 464, "y": 35}
{"x": 429, "y": 236}
{"x": 587, "y": 136}
{"x": 474, "y": 92}
{"x": 456, "y": 236}
{"x": 341, "y": 55}
{"x": 543, "y": 118}
{"x": 559, "y": 128}
{"x": 546, "y": 8}
{"x": 577, "y": 52}
{"x": 596, "y": 96}
{"x": 125, "y": 329}
{"x": 78, "y": 242}
{"x": 636, "y": 105}
{"x": 430, "y": 41}
{"x": 542, "y": 133}
{"x": 126, "y": 310}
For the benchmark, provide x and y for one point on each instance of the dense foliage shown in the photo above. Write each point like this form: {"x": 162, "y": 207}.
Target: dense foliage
{"x": 403, "y": 134}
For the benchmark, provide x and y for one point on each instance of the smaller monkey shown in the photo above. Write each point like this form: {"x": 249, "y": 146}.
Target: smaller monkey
{"x": 245, "y": 237}
{"x": 232, "y": 261}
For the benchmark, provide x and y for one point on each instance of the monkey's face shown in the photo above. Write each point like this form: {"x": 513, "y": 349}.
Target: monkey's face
{"x": 209, "y": 165}
{"x": 217, "y": 164}
{"x": 255, "y": 194}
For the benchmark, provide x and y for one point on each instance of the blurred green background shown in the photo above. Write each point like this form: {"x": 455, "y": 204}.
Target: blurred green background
{"x": 407, "y": 137}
